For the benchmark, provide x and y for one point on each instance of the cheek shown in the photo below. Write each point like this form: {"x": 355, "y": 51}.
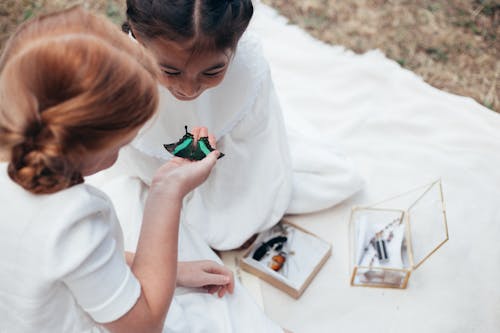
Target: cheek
{"x": 213, "y": 82}
{"x": 166, "y": 81}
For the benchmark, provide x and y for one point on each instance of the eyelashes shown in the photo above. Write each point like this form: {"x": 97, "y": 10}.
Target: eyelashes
{"x": 213, "y": 74}
{"x": 169, "y": 73}
{"x": 209, "y": 75}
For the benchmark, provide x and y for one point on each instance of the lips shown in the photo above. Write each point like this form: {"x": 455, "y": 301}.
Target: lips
{"x": 183, "y": 97}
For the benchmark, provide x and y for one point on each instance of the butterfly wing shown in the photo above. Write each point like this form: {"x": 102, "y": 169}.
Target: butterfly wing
{"x": 203, "y": 149}
{"x": 183, "y": 148}
{"x": 170, "y": 147}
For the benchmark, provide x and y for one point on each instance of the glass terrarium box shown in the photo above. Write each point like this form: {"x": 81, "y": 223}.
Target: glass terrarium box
{"x": 391, "y": 239}
{"x": 287, "y": 257}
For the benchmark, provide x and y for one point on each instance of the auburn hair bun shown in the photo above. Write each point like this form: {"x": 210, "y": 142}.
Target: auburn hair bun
{"x": 71, "y": 85}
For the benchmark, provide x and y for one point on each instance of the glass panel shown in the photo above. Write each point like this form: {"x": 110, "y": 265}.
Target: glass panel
{"x": 427, "y": 220}
{"x": 379, "y": 238}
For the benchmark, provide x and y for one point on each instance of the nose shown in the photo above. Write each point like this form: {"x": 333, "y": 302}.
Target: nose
{"x": 189, "y": 88}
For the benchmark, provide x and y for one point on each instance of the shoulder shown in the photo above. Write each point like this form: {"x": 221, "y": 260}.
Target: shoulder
{"x": 81, "y": 211}
{"x": 82, "y": 200}
{"x": 65, "y": 205}
{"x": 83, "y": 222}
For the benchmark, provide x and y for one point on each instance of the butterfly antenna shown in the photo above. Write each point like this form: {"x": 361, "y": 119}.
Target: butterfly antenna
{"x": 186, "y": 128}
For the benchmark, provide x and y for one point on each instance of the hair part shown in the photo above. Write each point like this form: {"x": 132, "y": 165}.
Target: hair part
{"x": 206, "y": 24}
{"x": 70, "y": 83}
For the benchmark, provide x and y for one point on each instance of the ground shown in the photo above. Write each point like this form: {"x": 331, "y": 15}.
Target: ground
{"x": 453, "y": 44}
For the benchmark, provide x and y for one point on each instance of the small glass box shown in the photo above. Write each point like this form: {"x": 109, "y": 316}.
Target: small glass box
{"x": 391, "y": 239}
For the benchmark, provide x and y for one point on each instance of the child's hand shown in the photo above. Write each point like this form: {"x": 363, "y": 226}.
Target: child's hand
{"x": 179, "y": 176}
{"x": 200, "y": 132}
{"x": 207, "y": 274}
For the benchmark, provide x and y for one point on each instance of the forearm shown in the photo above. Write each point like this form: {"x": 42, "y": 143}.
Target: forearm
{"x": 155, "y": 262}
{"x": 155, "y": 266}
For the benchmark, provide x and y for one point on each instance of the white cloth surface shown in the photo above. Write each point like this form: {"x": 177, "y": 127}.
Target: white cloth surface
{"x": 401, "y": 133}
{"x": 61, "y": 260}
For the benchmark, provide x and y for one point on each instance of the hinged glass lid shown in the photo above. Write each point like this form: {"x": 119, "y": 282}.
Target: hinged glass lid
{"x": 426, "y": 217}
{"x": 428, "y": 225}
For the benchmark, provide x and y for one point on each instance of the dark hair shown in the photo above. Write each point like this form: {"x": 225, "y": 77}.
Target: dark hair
{"x": 212, "y": 24}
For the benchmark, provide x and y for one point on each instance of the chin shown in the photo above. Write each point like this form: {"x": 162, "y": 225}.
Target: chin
{"x": 184, "y": 98}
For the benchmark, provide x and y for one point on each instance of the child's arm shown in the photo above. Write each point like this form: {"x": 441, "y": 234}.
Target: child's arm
{"x": 155, "y": 261}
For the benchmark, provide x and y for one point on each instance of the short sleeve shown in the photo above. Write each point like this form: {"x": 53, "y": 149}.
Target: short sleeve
{"x": 87, "y": 256}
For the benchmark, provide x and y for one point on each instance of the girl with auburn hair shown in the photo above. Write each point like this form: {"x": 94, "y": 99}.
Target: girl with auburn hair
{"x": 73, "y": 91}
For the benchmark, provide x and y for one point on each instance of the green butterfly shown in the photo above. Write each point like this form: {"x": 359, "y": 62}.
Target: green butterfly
{"x": 186, "y": 148}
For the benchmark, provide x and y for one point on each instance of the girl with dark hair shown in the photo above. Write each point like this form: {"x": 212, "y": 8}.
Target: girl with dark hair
{"x": 214, "y": 75}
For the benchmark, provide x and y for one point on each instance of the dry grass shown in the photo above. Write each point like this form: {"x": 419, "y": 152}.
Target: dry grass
{"x": 14, "y": 12}
{"x": 453, "y": 44}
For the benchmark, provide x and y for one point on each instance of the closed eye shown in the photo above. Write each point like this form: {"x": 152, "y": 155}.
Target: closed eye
{"x": 212, "y": 74}
{"x": 215, "y": 70}
{"x": 170, "y": 70}
{"x": 171, "y": 73}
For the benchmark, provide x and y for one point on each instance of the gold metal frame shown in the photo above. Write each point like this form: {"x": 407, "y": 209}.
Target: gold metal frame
{"x": 373, "y": 285}
{"x": 406, "y": 217}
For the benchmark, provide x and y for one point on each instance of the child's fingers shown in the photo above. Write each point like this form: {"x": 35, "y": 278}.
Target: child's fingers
{"x": 203, "y": 132}
{"x": 212, "y": 289}
{"x": 209, "y": 161}
{"x": 212, "y": 141}
{"x": 222, "y": 292}
{"x": 215, "y": 268}
{"x": 215, "y": 279}
{"x": 229, "y": 274}
{"x": 196, "y": 133}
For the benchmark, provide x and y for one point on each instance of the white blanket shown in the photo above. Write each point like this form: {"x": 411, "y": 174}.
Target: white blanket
{"x": 402, "y": 133}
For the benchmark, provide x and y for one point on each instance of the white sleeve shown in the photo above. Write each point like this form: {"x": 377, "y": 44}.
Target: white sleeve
{"x": 250, "y": 188}
{"x": 87, "y": 256}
